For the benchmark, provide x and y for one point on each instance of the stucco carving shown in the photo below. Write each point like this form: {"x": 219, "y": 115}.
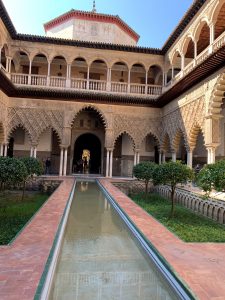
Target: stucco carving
{"x": 35, "y": 121}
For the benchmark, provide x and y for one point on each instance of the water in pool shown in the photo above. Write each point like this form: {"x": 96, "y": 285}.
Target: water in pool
{"x": 100, "y": 259}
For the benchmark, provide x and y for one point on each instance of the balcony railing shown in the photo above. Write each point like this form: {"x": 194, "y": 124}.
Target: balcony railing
{"x": 145, "y": 90}
{"x": 84, "y": 84}
{"x": 218, "y": 43}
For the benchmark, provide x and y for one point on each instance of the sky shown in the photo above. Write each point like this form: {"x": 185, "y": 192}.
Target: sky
{"x": 153, "y": 20}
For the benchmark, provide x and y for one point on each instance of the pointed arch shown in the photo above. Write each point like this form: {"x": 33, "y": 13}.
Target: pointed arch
{"x": 93, "y": 108}
{"x": 218, "y": 95}
{"x": 20, "y": 125}
{"x": 194, "y": 132}
{"x": 47, "y": 128}
{"x": 154, "y": 136}
{"x": 177, "y": 139}
{"x": 166, "y": 144}
{"x": 124, "y": 132}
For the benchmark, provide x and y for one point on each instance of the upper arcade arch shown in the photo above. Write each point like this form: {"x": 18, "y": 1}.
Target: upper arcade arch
{"x": 202, "y": 35}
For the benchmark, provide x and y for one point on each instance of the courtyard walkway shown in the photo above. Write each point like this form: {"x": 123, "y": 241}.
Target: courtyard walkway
{"x": 200, "y": 265}
{"x": 22, "y": 263}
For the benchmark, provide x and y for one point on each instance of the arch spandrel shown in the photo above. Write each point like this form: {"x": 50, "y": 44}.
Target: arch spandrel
{"x": 70, "y": 118}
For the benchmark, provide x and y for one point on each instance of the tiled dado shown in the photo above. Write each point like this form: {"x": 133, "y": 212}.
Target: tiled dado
{"x": 22, "y": 263}
{"x": 200, "y": 265}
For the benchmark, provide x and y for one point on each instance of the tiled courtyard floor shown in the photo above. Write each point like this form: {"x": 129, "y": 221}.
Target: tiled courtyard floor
{"x": 200, "y": 265}
{"x": 22, "y": 263}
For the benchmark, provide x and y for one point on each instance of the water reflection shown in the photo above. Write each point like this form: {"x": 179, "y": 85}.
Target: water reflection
{"x": 99, "y": 257}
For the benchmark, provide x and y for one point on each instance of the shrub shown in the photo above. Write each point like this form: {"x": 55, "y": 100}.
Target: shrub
{"x": 172, "y": 173}
{"x": 144, "y": 171}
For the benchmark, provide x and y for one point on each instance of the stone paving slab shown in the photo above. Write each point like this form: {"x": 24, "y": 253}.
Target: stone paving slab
{"x": 200, "y": 265}
{"x": 22, "y": 263}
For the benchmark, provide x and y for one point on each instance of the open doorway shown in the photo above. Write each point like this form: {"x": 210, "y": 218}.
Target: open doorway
{"x": 87, "y": 154}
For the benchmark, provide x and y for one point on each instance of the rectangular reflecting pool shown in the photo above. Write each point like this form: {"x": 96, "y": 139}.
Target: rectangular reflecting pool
{"x": 100, "y": 258}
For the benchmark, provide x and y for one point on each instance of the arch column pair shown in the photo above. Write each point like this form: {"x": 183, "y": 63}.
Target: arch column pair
{"x": 136, "y": 157}
{"x": 33, "y": 151}
{"x": 63, "y": 160}
{"x": 3, "y": 150}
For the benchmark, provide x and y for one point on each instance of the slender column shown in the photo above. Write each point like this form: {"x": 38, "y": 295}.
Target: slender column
{"x": 211, "y": 155}
{"x": 138, "y": 157}
{"x": 108, "y": 84}
{"x": 1, "y": 150}
{"x": 172, "y": 72}
{"x": 212, "y": 33}
{"x": 135, "y": 158}
{"x": 68, "y": 76}
{"x": 29, "y": 75}
{"x": 212, "y": 37}
{"x": 31, "y": 151}
{"x": 35, "y": 152}
{"x": 88, "y": 76}
{"x": 182, "y": 62}
{"x": 146, "y": 83}
{"x": 8, "y": 64}
{"x": 111, "y": 163}
{"x": 49, "y": 72}
{"x": 0, "y": 56}
{"x": 163, "y": 157}
{"x": 107, "y": 164}
{"x": 61, "y": 162}
{"x": 65, "y": 162}
{"x": 190, "y": 159}
{"x": 174, "y": 156}
{"x": 128, "y": 90}
{"x": 160, "y": 158}
{"x": 195, "y": 49}
{"x": 5, "y": 150}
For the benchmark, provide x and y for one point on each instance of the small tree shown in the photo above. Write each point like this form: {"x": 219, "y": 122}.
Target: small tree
{"x": 12, "y": 171}
{"x": 33, "y": 166}
{"x": 212, "y": 177}
{"x": 205, "y": 179}
{"x": 144, "y": 171}
{"x": 172, "y": 173}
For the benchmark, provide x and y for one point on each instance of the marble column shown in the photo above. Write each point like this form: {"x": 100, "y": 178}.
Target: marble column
{"x": 107, "y": 164}
{"x": 160, "y": 158}
{"x": 174, "y": 156}
{"x": 190, "y": 159}
{"x": 65, "y": 161}
{"x": 61, "y": 162}
{"x": 111, "y": 163}
{"x": 5, "y": 150}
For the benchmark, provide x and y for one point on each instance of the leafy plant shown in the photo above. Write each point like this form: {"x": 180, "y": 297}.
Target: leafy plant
{"x": 12, "y": 171}
{"x": 172, "y": 174}
{"x": 212, "y": 177}
{"x": 144, "y": 171}
{"x": 33, "y": 166}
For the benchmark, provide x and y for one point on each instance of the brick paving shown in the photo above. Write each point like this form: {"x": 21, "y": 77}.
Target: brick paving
{"x": 200, "y": 265}
{"x": 22, "y": 263}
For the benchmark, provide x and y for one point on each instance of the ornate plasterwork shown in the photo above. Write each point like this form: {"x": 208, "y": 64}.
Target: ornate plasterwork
{"x": 35, "y": 121}
{"x": 136, "y": 127}
{"x": 182, "y": 120}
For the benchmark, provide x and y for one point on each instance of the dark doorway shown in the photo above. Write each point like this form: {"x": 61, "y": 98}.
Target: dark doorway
{"x": 87, "y": 154}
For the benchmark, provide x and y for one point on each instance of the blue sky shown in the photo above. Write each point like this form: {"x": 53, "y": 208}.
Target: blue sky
{"x": 153, "y": 20}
